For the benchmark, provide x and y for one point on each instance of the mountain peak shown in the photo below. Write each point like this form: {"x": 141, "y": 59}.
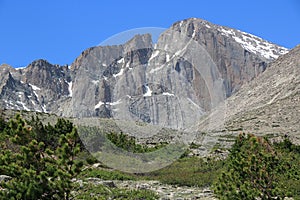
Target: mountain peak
{"x": 254, "y": 44}
{"x": 139, "y": 41}
{"x": 4, "y": 68}
{"x": 167, "y": 84}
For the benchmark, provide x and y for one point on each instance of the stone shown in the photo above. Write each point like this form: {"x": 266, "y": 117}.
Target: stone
{"x": 109, "y": 183}
{"x": 166, "y": 191}
{"x": 143, "y": 186}
{"x": 94, "y": 180}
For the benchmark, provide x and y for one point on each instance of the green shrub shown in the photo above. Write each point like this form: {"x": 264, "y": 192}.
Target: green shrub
{"x": 253, "y": 170}
{"x": 123, "y": 141}
{"x": 290, "y": 179}
{"x": 106, "y": 174}
{"x": 191, "y": 171}
{"x": 37, "y": 171}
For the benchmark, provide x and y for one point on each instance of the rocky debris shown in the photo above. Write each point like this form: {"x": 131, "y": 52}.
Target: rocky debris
{"x": 214, "y": 154}
{"x": 168, "y": 192}
{"x": 164, "y": 191}
{"x": 97, "y": 181}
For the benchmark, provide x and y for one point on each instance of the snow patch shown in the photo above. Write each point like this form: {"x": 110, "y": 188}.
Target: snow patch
{"x": 122, "y": 60}
{"x": 180, "y": 24}
{"x": 33, "y": 102}
{"x": 23, "y": 105}
{"x": 194, "y": 33}
{"x": 115, "y": 103}
{"x": 148, "y": 92}
{"x": 154, "y": 54}
{"x": 70, "y": 84}
{"x": 20, "y": 94}
{"x": 96, "y": 82}
{"x": 44, "y": 108}
{"x": 99, "y": 104}
{"x": 167, "y": 58}
{"x": 23, "y": 67}
{"x": 167, "y": 94}
{"x": 119, "y": 74}
{"x": 254, "y": 44}
{"x": 181, "y": 51}
{"x": 107, "y": 103}
{"x": 37, "y": 96}
{"x": 226, "y": 32}
{"x": 34, "y": 87}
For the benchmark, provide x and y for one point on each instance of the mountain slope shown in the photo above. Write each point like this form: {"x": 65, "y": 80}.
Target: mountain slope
{"x": 194, "y": 66}
{"x": 267, "y": 105}
{"x": 271, "y": 103}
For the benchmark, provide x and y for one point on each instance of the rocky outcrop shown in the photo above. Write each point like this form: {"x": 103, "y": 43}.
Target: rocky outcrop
{"x": 97, "y": 71}
{"x": 40, "y": 86}
{"x": 193, "y": 67}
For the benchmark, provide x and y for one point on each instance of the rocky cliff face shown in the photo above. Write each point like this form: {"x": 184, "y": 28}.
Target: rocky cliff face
{"x": 194, "y": 66}
{"x": 238, "y": 56}
{"x": 268, "y": 105}
{"x": 40, "y": 86}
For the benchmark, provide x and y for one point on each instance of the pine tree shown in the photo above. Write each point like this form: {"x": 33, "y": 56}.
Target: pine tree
{"x": 37, "y": 171}
{"x": 252, "y": 171}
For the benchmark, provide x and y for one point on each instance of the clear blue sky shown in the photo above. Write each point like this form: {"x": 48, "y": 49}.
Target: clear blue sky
{"x": 59, "y": 30}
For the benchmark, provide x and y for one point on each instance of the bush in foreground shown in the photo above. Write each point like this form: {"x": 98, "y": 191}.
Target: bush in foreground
{"x": 37, "y": 171}
{"x": 254, "y": 170}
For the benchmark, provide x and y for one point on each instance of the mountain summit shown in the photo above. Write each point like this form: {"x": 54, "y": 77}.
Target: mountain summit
{"x": 193, "y": 66}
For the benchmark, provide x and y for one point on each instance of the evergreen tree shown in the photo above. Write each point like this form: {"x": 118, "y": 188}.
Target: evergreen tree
{"x": 49, "y": 134}
{"x": 252, "y": 171}
{"x": 37, "y": 171}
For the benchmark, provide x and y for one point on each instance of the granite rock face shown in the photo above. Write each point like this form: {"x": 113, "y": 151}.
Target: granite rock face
{"x": 268, "y": 105}
{"x": 193, "y": 67}
{"x": 40, "y": 86}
